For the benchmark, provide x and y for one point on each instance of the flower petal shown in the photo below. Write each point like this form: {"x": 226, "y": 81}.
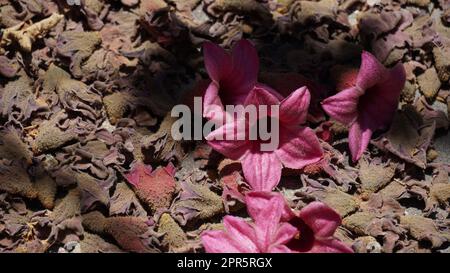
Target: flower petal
{"x": 294, "y": 108}
{"x": 284, "y": 234}
{"x": 298, "y": 147}
{"x": 245, "y": 65}
{"x": 218, "y": 62}
{"x": 268, "y": 209}
{"x": 238, "y": 237}
{"x": 359, "y": 137}
{"x": 230, "y": 139}
{"x": 343, "y": 106}
{"x": 371, "y": 71}
{"x": 217, "y": 241}
{"x": 261, "y": 170}
{"x": 257, "y": 201}
{"x": 280, "y": 249}
{"x": 379, "y": 103}
{"x": 261, "y": 96}
{"x": 243, "y": 233}
{"x": 329, "y": 246}
{"x": 321, "y": 219}
{"x": 212, "y": 105}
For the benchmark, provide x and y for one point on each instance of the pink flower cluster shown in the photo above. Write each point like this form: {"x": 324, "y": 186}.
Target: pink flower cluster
{"x": 367, "y": 105}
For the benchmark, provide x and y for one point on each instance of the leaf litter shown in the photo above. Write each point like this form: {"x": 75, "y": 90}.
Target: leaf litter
{"x": 88, "y": 163}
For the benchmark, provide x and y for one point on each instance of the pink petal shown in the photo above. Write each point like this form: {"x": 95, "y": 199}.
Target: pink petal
{"x": 245, "y": 65}
{"x": 330, "y": 246}
{"x": 230, "y": 146}
{"x": 359, "y": 138}
{"x": 321, "y": 219}
{"x": 267, "y": 209}
{"x": 261, "y": 96}
{"x": 218, "y": 62}
{"x": 242, "y": 233}
{"x": 261, "y": 170}
{"x": 343, "y": 106}
{"x": 299, "y": 147}
{"x": 257, "y": 201}
{"x": 217, "y": 241}
{"x": 270, "y": 90}
{"x": 294, "y": 108}
{"x": 284, "y": 234}
{"x": 213, "y": 108}
{"x": 280, "y": 249}
{"x": 238, "y": 237}
{"x": 380, "y": 102}
{"x": 371, "y": 72}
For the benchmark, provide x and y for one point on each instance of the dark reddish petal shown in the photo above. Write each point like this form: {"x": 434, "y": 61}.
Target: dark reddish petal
{"x": 298, "y": 147}
{"x": 245, "y": 65}
{"x": 321, "y": 219}
{"x": 230, "y": 139}
{"x": 359, "y": 138}
{"x": 270, "y": 90}
{"x": 261, "y": 170}
{"x": 343, "y": 106}
{"x": 380, "y": 102}
{"x": 371, "y": 72}
{"x": 218, "y": 62}
{"x": 294, "y": 108}
{"x": 329, "y": 246}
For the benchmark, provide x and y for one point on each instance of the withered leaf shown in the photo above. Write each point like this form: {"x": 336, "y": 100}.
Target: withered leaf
{"x": 196, "y": 202}
{"x": 78, "y": 46}
{"x": 375, "y": 174}
{"x": 174, "y": 237}
{"x": 408, "y": 137}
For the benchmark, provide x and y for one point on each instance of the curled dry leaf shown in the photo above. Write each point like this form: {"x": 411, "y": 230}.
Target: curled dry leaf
{"x": 160, "y": 145}
{"x": 66, "y": 215}
{"x": 342, "y": 202}
{"x": 375, "y": 174}
{"x": 129, "y": 232}
{"x": 77, "y": 46}
{"x": 196, "y": 202}
{"x": 408, "y": 137}
{"x": 12, "y": 146}
{"x": 25, "y": 37}
{"x": 15, "y": 180}
{"x": 93, "y": 243}
{"x": 174, "y": 236}
{"x": 155, "y": 188}
{"x": 421, "y": 228}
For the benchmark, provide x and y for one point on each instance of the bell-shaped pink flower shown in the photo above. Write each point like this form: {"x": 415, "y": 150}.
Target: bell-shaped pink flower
{"x": 268, "y": 233}
{"x": 233, "y": 75}
{"x": 369, "y": 104}
{"x": 276, "y": 228}
{"x": 297, "y": 146}
{"x": 316, "y": 224}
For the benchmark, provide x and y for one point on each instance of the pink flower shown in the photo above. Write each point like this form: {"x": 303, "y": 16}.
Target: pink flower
{"x": 368, "y": 105}
{"x": 276, "y": 228}
{"x": 233, "y": 76}
{"x": 316, "y": 224}
{"x": 268, "y": 233}
{"x": 298, "y": 146}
